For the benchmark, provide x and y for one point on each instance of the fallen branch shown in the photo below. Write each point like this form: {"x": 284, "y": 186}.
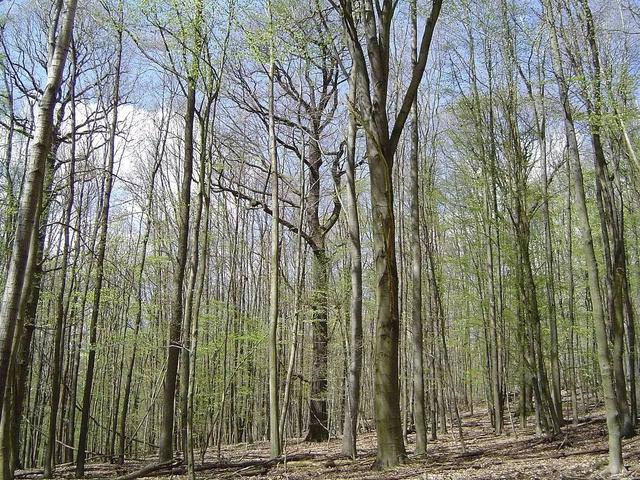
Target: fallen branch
{"x": 470, "y": 454}
{"x": 177, "y": 467}
{"x": 151, "y": 468}
{"x": 580, "y": 452}
{"x": 295, "y": 457}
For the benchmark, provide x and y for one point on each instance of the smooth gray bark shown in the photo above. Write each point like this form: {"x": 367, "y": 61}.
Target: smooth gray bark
{"x": 355, "y": 309}
{"x": 604, "y": 354}
{"x": 32, "y": 191}
{"x": 419, "y": 411}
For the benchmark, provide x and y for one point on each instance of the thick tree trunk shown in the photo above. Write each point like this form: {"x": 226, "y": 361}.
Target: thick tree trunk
{"x": 318, "y": 413}
{"x": 21, "y": 354}
{"x": 14, "y": 395}
{"x": 391, "y": 449}
{"x": 372, "y": 80}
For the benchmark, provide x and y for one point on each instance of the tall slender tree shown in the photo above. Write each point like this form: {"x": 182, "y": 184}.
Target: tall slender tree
{"x": 193, "y": 35}
{"x": 355, "y": 256}
{"x": 419, "y": 411}
{"x": 59, "y": 38}
{"x": 604, "y": 353}
{"x": 103, "y": 228}
{"x": 274, "y": 280}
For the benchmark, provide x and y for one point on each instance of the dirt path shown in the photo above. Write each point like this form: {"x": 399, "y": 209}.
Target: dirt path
{"x": 579, "y": 453}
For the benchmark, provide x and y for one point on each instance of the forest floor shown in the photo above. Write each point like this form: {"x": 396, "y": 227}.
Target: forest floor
{"x": 580, "y": 452}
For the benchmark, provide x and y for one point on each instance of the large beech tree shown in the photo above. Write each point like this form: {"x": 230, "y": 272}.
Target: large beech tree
{"x": 372, "y": 87}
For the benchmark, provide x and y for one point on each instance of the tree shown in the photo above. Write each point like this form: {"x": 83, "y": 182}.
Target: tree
{"x": 103, "y": 227}
{"x": 313, "y": 99}
{"x": 27, "y": 221}
{"x": 416, "y": 260}
{"x": 176, "y": 333}
{"x": 372, "y": 83}
{"x": 355, "y": 255}
{"x": 604, "y": 354}
{"x": 318, "y": 239}
{"x": 274, "y": 280}
{"x": 59, "y": 40}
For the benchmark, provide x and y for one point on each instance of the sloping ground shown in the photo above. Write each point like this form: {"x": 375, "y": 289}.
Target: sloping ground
{"x": 579, "y": 453}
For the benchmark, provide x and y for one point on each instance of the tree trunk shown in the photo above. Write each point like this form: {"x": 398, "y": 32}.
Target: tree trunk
{"x": 188, "y": 339}
{"x": 14, "y": 395}
{"x": 416, "y": 264}
{"x": 604, "y": 355}
{"x": 32, "y": 190}
{"x": 177, "y": 305}
{"x": 355, "y": 312}
{"x": 612, "y": 231}
{"x": 550, "y": 284}
{"x": 572, "y": 300}
{"x": 391, "y": 449}
{"x": 103, "y": 222}
{"x": 274, "y": 281}
{"x": 57, "y": 360}
{"x": 299, "y": 275}
{"x": 372, "y": 83}
{"x": 318, "y": 414}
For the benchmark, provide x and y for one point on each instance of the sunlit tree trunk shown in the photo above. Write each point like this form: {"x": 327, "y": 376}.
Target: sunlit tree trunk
{"x": 274, "y": 281}
{"x": 355, "y": 311}
{"x": 416, "y": 264}
{"x": 32, "y": 190}
{"x": 604, "y": 354}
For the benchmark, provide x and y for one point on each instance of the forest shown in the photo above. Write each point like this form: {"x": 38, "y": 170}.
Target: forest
{"x": 377, "y": 239}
